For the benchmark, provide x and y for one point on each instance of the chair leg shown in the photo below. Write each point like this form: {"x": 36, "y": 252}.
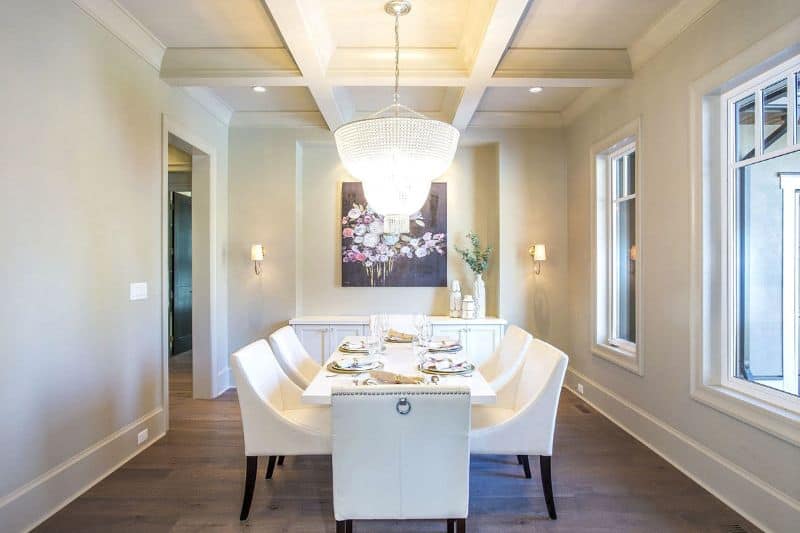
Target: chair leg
{"x": 249, "y": 485}
{"x": 349, "y": 526}
{"x": 280, "y": 459}
{"x": 451, "y": 525}
{"x": 526, "y": 465}
{"x": 344, "y": 526}
{"x": 270, "y": 466}
{"x": 461, "y": 525}
{"x": 519, "y": 460}
{"x": 547, "y": 485}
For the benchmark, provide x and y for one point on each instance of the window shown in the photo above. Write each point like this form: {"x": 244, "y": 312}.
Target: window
{"x": 764, "y": 191}
{"x": 617, "y": 258}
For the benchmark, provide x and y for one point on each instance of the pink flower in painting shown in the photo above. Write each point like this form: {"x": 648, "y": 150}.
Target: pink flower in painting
{"x": 347, "y": 232}
{"x": 360, "y": 257}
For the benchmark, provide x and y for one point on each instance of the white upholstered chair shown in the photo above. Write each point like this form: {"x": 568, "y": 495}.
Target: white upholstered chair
{"x": 506, "y": 360}
{"x": 274, "y": 420}
{"x": 293, "y": 357}
{"x": 523, "y": 420}
{"x": 402, "y": 323}
{"x": 400, "y": 452}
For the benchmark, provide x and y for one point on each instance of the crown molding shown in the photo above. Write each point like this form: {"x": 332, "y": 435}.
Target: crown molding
{"x": 124, "y": 26}
{"x": 211, "y": 103}
{"x": 667, "y": 29}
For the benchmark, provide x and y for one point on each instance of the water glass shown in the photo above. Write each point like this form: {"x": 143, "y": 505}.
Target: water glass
{"x": 373, "y": 346}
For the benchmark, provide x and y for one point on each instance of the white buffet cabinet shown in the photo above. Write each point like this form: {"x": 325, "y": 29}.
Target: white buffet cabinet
{"x": 321, "y": 335}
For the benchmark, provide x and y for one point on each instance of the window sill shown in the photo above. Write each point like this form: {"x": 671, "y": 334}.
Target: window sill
{"x": 781, "y": 422}
{"x": 629, "y": 360}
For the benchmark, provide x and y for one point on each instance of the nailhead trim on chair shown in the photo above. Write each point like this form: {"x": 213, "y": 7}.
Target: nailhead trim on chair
{"x": 452, "y": 393}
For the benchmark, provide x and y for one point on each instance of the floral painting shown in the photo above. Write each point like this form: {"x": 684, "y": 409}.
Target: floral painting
{"x": 371, "y": 258}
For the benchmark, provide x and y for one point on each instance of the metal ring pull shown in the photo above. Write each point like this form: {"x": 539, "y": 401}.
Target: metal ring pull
{"x": 403, "y": 406}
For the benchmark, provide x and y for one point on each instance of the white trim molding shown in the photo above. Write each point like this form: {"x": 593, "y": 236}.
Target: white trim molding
{"x": 631, "y": 357}
{"x": 739, "y": 489}
{"x": 125, "y": 27}
{"x": 39, "y": 499}
{"x": 211, "y": 103}
{"x": 711, "y": 301}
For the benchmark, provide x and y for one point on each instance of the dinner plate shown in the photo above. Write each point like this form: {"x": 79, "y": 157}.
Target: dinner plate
{"x": 334, "y": 367}
{"x": 464, "y": 369}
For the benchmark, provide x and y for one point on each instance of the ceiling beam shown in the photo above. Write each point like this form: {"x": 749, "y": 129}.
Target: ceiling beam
{"x": 497, "y": 34}
{"x": 310, "y": 44}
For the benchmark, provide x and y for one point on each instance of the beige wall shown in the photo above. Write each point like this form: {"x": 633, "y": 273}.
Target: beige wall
{"x": 659, "y": 94}
{"x": 81, "y": 169}
{"x": 284, "y": 193}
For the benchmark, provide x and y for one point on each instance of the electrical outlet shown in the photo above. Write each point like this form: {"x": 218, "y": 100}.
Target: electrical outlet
{"x": 143, "y": 436}
{"x": 580, "y": 388}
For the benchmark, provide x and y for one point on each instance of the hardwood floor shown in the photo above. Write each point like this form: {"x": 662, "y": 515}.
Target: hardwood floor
{"x": 192, "y": 480}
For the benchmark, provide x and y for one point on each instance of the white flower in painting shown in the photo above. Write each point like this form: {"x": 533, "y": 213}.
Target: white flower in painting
{"x": 371, "y": 240}
{"x": 358, "y": 239}
{"x": 405, "y": 250}
{"x": 360, "y": 229}
{"x": 368, "y": 263}
{"x": 383, "y": 258}
{"x": 354, "y": 213}
{"x": 427, "y": 236}
{"x": 376, "y": 226}
{"x": 421, "y": 252}
{"x": 414, "y": 242}
{"x": 391, "y": 240}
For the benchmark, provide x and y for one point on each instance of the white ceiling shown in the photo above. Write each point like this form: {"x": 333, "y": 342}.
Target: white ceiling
{"x": 206, "y": 23}
{"x": 364, "y": 24}
{"x": 466, "y": 61}
{"x": 519, "y": 99}
{"x": 275, "y": 99}
{"x": 587, "y": 23}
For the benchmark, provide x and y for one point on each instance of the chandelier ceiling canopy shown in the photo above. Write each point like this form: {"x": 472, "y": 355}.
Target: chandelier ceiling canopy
{"x": 396, "y": 152}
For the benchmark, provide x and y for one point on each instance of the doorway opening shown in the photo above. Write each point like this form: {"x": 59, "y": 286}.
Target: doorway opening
{"x": 179, "y": 322}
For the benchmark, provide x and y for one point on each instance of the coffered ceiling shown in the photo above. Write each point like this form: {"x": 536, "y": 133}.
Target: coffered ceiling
{"x": 470, "y": 62}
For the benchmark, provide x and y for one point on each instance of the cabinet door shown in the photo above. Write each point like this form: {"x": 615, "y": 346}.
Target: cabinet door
{"x": 482, "y": 341}
{"x": 340, "y": 331}
{"x": 452, "y": 332}
{"x": 316, "y": 340}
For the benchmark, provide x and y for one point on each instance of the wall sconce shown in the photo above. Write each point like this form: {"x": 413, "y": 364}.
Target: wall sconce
{"x": 634, "y": 256}
{"x": 539, "y": 254}
{"x": 257, "y": 256}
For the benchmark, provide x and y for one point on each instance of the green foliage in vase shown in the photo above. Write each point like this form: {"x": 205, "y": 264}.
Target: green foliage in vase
{"x": 475, "y": 258}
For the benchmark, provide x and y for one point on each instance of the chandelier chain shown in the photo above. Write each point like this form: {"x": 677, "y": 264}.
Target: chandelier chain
{"x": 396, "y": 58}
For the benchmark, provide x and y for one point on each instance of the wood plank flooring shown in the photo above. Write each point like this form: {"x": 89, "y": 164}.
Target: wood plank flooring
{"x": 604, "y": 481}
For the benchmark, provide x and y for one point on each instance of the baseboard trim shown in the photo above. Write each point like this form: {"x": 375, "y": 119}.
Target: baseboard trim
{"x": 36, "y": 501}
{"x": 707, "y": 468}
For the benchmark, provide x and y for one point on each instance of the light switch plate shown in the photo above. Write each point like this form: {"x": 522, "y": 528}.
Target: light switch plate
{"x": 139, "y": 291}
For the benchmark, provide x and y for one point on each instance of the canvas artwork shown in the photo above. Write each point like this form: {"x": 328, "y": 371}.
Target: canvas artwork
{"x": 414, "y": 259}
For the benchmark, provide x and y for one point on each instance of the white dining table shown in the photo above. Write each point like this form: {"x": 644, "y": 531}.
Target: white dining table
{"x": 398, "y": 358}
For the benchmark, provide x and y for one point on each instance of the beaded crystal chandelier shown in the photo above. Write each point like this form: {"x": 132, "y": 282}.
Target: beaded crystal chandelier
{"x": 396, "y": 152}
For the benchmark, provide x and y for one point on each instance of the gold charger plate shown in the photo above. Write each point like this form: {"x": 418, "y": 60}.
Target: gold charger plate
{"x": 466, "y": 370}
{"x": 332, "y": 367}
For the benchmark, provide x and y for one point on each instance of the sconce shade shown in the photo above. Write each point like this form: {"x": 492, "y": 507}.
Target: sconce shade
{"x": 257, "y": 252}
{"x": 634, "y": 253}
{"x": 539, "y": 252}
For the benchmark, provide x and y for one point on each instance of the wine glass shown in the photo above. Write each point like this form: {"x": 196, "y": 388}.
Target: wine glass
{"x": 419, "y": 321}
{"x": 373, "y": 347}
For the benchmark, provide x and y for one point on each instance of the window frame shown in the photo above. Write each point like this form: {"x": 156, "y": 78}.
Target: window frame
{"x": 757, "y": 86}
{"x": 603, "y": 343}
{"x": 713, "y": 164}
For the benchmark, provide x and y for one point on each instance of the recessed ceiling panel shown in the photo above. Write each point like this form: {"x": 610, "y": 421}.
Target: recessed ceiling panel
{"x": 206, "y": 23}
{"x": 274, "y": 99}
{"x": 420, "y": 99}
{"x": 520, "y": 99}
{"x": 431, "y": 23}
{"x": 588, "y": 23}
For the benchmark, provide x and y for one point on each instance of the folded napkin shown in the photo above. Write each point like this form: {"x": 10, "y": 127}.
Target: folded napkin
{"x": 399, "y": 335}
{"x": 446, "y": 345}
{"x": 445, "y": 364}
{"x": 354, "y": 362}
{"x": 383, "y": 376}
